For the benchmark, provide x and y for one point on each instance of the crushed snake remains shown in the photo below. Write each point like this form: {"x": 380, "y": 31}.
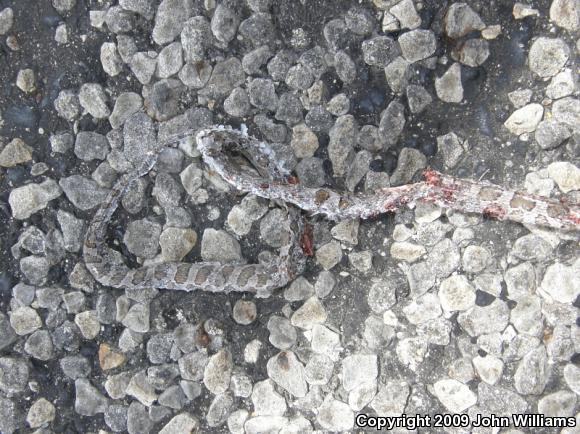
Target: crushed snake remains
{"x": 220, "y": 145}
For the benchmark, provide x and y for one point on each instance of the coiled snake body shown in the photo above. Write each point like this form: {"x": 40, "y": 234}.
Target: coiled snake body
{"x": 272, "y": 181}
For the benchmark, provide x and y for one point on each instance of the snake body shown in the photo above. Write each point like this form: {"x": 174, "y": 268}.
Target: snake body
{"x": 219, "y": 147}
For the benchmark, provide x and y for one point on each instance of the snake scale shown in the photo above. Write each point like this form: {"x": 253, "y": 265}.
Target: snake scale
{"x": 221, "y": 147}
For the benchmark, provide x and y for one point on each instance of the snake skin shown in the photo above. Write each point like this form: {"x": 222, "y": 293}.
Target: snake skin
{"x": 219, "y": 146}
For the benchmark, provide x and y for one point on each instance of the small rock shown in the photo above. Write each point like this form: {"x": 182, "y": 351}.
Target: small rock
{"x": 182, "y": 423}
{"x": 169, "y": 20}
{"x": 40, "y": 413}
{"x": 244, "y": 312}
{"x": 454, "y": 395}
{"x": 143, "y": 65}
{"x": 405, "y": 12}
{"x": 88, "y": 400}
{"x": 93, "y": 99}
{"x": 456, "y": 294}
{"x": 334, "y": 415}
{"x": 6, "y": 20}
{"x": 216, "y": 376}
{"x": 522, "y": 10}
{"x": 282, "y": 333}
{"x": 410, "y": 162}
{"x": 310, "y": 313}
{"x": 84, "y": 193}
{"x": 109, "y": 358}
{"x": 379, "y": 51}
{"x": 448, "y": 86}
{"x": 418, "y": 98}
{"x": 329, "y": 255}
{"x": 551, "y": 133}
{"x": 39, "y": 345}
{"x": 532, "y": 372}
{"x": 286, "y": 371}
{"x": 224, "y": 23}
{"x": 566, "y": 175}
{"x": 525, "y": 119}
{"x": 88, "y": 324}
{"x": 25, "y": 80}
{"x": 142, "y": 238}
{"x": 31, "y": 198}
{"x": 25, "y": 320}
{"x": 141, "y": 389}
{"x": 417, "y": 44}
{"x": 266, "y": 401}
{"x": 548, "y": 56}
{"x": 565, "y": 13}
{"x": 14, "y": 153}
{"x": 562, "y": 84}
{"x": 460, "y": 20}
{"x": 474, "y": 52}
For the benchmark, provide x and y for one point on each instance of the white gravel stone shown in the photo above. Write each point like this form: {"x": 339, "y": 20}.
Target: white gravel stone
{"x": 312, "y": 312}
{"x": 88, "y": 324}
{"x": 334, "y": 415}
{"x": 218, "y": 371}
{"x": 423, "y": 309}
{"x": 454, "y": 395}
{"x": 267, "y": 402}
{"x": 40, "y": 413}
{"x": 31, "y": 198}
{"x": 558, "y": 404}
{"x": 287, "y": 371}
{"x": 406, "y": 251}
{"x": 561, "y": 283}
{"x": 329, "y": 255}
{"x": 548, "y": 56}
{"x": 182, "y": 423}
{"x": 359, "y": 369}
{"x": 562, "y": 84}
{"x": 566, "y": 175}
{"x": 25, "y": 320}
{"x": 525, "y": 119}
{"x": 566, "y": 14}
{"x": 489, "y": 368}
{"x": 391, "y": 399}
{"x": 456, "y": 293}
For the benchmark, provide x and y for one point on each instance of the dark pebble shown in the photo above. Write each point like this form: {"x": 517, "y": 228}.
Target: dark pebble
{"x": 483, "y": 298}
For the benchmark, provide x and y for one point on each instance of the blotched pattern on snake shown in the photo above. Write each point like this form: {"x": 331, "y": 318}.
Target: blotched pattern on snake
{"x": 269, "y": 179}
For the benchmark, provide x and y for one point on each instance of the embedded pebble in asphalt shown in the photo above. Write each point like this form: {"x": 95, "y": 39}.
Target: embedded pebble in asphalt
{"x": 421, "y": 312}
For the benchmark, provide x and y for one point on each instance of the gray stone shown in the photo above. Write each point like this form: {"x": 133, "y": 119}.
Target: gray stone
{"x": 289, "y": 109}
{"x": 119, "y": 20}
{"x": 75, "y": 367}
{"x": 181, "y": 423}
{"x": 418, "y": 98}
{"x": 525, "y": 119}
{"x": 417, "y": 44}
{"x": 452, "y": 149}
{"x": 218, "y": 371}
{"x": 218, "y": 410}
{"x": 224, "y": 23}
{"x": 159, "y": 347}
{"x": 380, "y": 51}
{"x": 244, "y": 312}
{"x": 169, "y": 20}
{"x": 562, "y": 84}
{"x": 93, "y": 99}
{"x": 31, "y": 198}
{"x": 334, "y": 415}
{"x": 88, "y": 400}
{"x": 474, "y": 52}
{"x": 282, "y": 334}
{"x": 196, "y": 75}
{"x": 287, "y": 371}
{"x": 226, "y": 75}
{"x": 91, "y": 146}
{"x": 40, "y": 413}
{"x": 253, "y": 61}
{"x": 548, "y": 56}
{"x": 359, "y": 21}
{"x": 220, "y": 246}
{"x": 565, "y": 13}
{"x": 67, "y": 105}
{"x": 191, "y": 366}
{"x": 7, "y": 334}
{"x": 567, "y": 111}
{"x": 61, "y": 143}
{"x": 84, "y": 193}
{"x": 10, "y": 415}
{"x": 6, "y": 20}
{"x": 110, "y": 59}
{"x": 448, "y": 86}
{"x": 14, "y": 373}
{"x": 392, "y": 123}
{"x": 319, "y": 119}
{"x": 454, "y": 395}
{"x": 339, "y": 105}
{"x": 143, "y": 65}
{"x": 266, "y": 401}
{"x": 311, "y": 313}
{"x": 258, "y": 29}
{"x": 460, "y": 20}
{"x": 532, "y": 372}
{"x": 310, "y": 172}
{"x": 39, "y": 345}
{"x": 279, "y": 65}
{"x": 14, "y": 153}
{"x": 116, "y": 417}
{"x": 195, "y": 38}
{"x": 329, "y": 255}
{"x": 263, "y": 94}
{"x": 142, "y": 238}
{"x": 336, "y": 34}
{"x": 342, "y": 139}
{"x": 484, "y": 320}
{"x": 137, "y": 318}
{"x": 25, "y": 320}
{"x": 409, "y": 163}
{"x": 138, "y": 419}
{"x": 318, "y": 370}
{"x": 406, "y": 13}
{"x": 456, "y": 294}
{"x": 170, "y": 60}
